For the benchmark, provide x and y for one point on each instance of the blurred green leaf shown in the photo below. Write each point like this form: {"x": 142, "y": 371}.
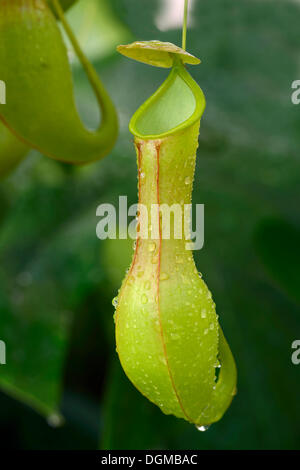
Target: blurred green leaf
{"x": 98, "y": 30}
{"x": 277, "y": 243}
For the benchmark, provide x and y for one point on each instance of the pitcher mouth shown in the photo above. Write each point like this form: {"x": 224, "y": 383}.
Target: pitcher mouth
{"x": 177, "y": 104}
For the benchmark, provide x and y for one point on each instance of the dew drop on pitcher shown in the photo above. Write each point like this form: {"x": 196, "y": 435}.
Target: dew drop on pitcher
{"x": 202, "y": 428}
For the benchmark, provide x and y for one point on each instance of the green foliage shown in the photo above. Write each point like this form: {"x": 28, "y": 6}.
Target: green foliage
{"x": 41, "y": 110}
{"x": 247, "y": 172}
{"x": 277, "y": 244}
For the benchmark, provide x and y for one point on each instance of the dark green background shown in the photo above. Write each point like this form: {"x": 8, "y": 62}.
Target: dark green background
{"x": 57, "y": 280}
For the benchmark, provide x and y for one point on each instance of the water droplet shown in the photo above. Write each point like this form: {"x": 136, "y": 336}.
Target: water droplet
{"x": 147, "y": 285}
{"x": 175, "y": 336}
{"x": 115, "y": 302}
{"x": 152, "y": 247}
{"x": 55, "y": 420}
{"x": 187, "y": 180}
{"x": 202, "y": 428}
{"x": 164, "y": 277}
{"x": 203, "y": 313}
{"x": 211, "y": 326}
{"x": 142, "y": 175}
{"x": 144, "y": 299}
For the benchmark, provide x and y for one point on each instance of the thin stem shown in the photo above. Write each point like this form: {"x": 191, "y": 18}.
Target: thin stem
{"x": 184, "y": 28}
{"x": 103, "y": 99}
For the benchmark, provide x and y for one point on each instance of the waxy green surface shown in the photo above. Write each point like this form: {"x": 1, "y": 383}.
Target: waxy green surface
{"x": 40, "y": 107}
{"x": 167, "y": 332}
{"x": 12, "y": 151}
